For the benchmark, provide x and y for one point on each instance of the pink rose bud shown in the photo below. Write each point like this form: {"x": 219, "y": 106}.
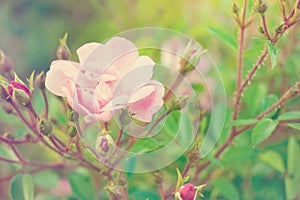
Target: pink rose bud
{"x": 19, "y": 92}
{"x": 187, "y": 192}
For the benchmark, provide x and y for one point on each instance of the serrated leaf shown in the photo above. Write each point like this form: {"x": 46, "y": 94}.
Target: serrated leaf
{"x": 289, "y": 115}
{"x": 242, "y": 122}
{"x": 226, "y": 37}
{"x": 226, "y": 188}
{"x": 28, "y": 186}
{"x": 273, "y": 54}
{"x": 263, "y": 130}
{"x": 273, "y": 159}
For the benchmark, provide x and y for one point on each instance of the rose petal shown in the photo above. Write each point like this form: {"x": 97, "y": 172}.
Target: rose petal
{"x": 144, "y": 108}
{"x": 61, "y": 75}
{"x": 85, "y": 50}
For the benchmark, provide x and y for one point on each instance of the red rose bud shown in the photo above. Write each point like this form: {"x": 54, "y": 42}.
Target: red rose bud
{"x": 187, "y": 192}
{"x": 19, "y": 92}
{"x": 105, "y": 144}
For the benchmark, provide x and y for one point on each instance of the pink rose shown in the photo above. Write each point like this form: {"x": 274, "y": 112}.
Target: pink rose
{"x": 108, "y": 77}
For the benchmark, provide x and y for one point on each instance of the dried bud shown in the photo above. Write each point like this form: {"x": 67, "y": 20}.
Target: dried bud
{"x": 105, "y": 145}
{"x": 40, "y": 80}
{"x": 188, "y": 192}
{"x": 19, "y": 92}
{"x": 122, "y": 179}
{"x": 235, "y": 8}
{"x": 72, "y": 131}
{"x": 179, "y": 103}
{"x": 45, "y": 127}
{"x": 261, "y": 7}
{"x": 158, "y": 179}
{"x": 63, "y": 52}
{"x": 261, "y": 30}
{"x": 5, "y": 63}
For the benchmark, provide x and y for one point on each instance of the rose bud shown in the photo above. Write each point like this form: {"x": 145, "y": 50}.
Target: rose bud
{"x": 40, "y": 80}
{"x": 5, "y": 63}
{"x": 19, "y": 92}
{"x": 188, "y": 192}
{"x": 45, "y": 127}
{"x": 63, "y": 52}
{"x": 179, "y": 103}
{"x": 105, "y": 144}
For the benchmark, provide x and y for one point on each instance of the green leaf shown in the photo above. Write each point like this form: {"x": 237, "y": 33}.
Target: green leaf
{"x": 295, "y": 126}
{"x": 31, "y": 82}
{"x": 242, "y": 122}
{"x": 225, "y": 36}
{"x": 81, "y": 184}
{"x": 16, "y": 191}
{"x": 267, "y": 103}
{"x": 51, "y": 177}
{"x": 273, "y": 54}
{"x": 273, "y": 159}
{"x": 293, "y": 154}
{"x": 263, "y": 130}
{"x": 292, "y": 180}
{"x": 22, "y": 187}
{"x": 226, "y": 188}
{"x": 180, "y": 181}
{"x": 28, "y": 186}
{"x": 289, "y": 116}
{"x": 145, "y": 145}
{"x": 198, "y": 87}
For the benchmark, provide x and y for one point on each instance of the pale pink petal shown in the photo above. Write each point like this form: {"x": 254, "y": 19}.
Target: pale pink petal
{"x": 144, "y": 109}
{"x": 116, "y": 50}
{"x": 138, "y": 76}
{"x": 60, "y": 78}
{"x": 103, "y": 93}
{"x": 102, "y": 117}
{"x": 141, "y": 93}
{"x": 85, "y": 50}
